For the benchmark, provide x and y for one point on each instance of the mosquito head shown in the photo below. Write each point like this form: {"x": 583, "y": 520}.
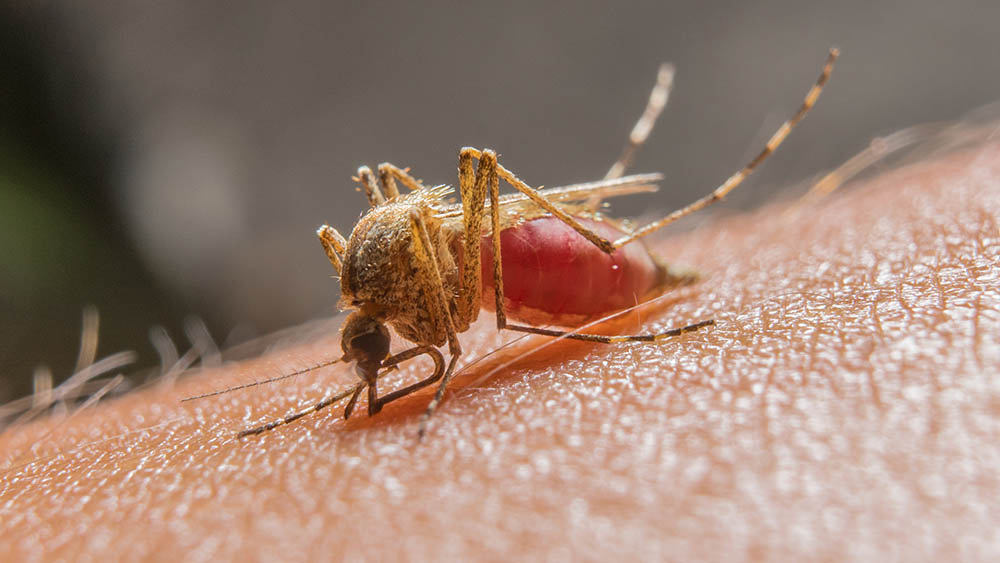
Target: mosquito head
{"x": 365, "y": 340}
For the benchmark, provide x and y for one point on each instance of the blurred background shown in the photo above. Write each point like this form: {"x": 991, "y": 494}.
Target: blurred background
{"x": 166, "y": 159}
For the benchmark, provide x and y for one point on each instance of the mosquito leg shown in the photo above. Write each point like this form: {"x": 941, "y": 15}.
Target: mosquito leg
{"x": 656, "y": 337}
{"x": 737, "y": 178}
{"x": 293, "y": 417}
{"x": 355, "y": 392}
{"x": 424, "y": 252}
{"x": 403, "y": 356}
{"x": 487, "y": 176}
{"x": 488, "y": 168}
{"x": 334, "y": 245}
{"x": 389, "y": 364}
{"x": 640, "y": 132}
{"x": 540, "y": 200}
{"x": 368, "y": 183}
{"x": 389, "y": 187}
{"x": 387, "y": 173}
{"x": 432, "y": 406}
{"x": 354, "y": 400}
{"x": 657, "y": 101}
{"x": 373, "y": 404}
{"x": 473, "y": 188}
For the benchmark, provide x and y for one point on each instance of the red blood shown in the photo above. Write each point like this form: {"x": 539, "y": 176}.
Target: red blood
{"x": 552, "y": 275}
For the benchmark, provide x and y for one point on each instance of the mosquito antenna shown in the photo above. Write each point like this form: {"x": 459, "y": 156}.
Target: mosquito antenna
{"x": 263, "y": 381}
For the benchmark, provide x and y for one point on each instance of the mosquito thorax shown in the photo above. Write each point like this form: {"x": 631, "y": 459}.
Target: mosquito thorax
{"x": 365, "y": 340}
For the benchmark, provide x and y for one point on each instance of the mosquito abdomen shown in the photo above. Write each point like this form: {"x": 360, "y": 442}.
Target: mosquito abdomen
{"x": 552, "y": 275}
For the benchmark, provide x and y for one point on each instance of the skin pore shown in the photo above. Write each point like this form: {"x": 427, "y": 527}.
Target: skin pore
{"x": 844, "y": 405}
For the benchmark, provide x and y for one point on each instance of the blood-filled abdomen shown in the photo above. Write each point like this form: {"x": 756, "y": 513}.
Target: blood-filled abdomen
{"x": 552, "y": 275}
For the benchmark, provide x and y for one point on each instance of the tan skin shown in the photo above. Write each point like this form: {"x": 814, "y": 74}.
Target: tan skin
{"x": 844, "y": 405}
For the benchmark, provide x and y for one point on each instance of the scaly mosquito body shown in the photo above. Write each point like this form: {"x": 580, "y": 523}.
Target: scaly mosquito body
{"x": 426, "y": 267}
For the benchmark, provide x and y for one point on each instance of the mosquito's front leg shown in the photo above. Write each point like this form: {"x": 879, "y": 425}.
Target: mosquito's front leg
{"x": 353, "y": 393}
{"x": 424, "y": 253}
{"x": 375, "y": 403}
{"x": 334, "y": 245}
{"x": 430, "y": 278}
{"x": 439, "y": 368}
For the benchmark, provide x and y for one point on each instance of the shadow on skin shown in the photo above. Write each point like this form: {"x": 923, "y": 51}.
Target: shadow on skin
{"x": 845, "y": 405}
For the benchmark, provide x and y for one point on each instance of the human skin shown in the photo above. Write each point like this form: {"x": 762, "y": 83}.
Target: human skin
{"x": 845, "y": 405}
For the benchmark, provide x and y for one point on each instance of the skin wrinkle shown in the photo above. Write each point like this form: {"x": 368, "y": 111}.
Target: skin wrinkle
{"x": 757, "y": 438}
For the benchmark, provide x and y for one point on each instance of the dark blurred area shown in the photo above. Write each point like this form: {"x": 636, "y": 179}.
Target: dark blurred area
{"x": 166, "y": 159}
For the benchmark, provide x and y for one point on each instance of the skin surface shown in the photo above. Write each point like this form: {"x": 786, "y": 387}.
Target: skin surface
{"x": 845, "y": 405}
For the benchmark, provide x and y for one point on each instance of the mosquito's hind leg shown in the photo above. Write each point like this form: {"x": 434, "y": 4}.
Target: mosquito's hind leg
{"x": 736, "y": 179}
{"x": 334, "y": 245}
{"x": 640, "y": 132}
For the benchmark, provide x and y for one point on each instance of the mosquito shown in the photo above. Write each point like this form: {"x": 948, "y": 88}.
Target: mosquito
{"x": 426, "y": 267}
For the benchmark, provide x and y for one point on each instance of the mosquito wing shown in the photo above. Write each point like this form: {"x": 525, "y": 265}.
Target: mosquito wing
{"x": 518, "y": 204}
